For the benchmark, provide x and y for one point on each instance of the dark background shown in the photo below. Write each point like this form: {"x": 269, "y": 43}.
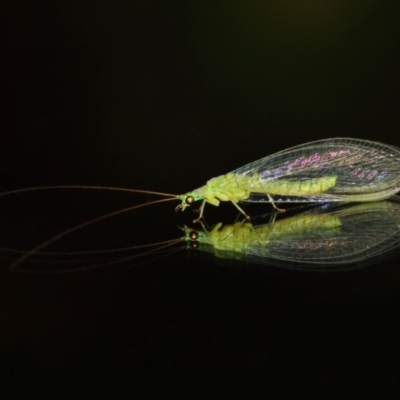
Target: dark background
{"x": 163, "y": 96}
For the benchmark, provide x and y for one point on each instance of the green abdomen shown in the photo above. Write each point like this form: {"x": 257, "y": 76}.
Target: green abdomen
{"x": 297, "y": 188}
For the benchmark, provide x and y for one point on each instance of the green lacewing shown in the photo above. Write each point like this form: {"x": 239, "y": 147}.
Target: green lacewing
{"x": 329, "y": 170}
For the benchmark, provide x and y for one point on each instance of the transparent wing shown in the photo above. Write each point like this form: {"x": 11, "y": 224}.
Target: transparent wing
{"x": 361, "y": 167}
{"x": 327, "y": 236}
{"x": 364, "y": 232}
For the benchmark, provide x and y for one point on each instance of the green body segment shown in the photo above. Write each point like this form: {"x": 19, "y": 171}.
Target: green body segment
{"x": 235, "y": 188}
{"x": 298, "y": 188}
{"x": 241, "y": 237}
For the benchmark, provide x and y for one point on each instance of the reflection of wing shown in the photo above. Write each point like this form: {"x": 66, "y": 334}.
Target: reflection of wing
{"x": 360, "y": 166}
{"x": 361, "y": 232}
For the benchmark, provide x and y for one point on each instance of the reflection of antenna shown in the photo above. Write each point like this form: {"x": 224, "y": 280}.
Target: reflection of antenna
{"x": 163, "y": 249}
{"x": 80, "y": 226}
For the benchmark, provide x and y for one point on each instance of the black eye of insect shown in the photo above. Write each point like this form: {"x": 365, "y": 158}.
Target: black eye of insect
{"x": 194, "y": 245}
{"x": 193, "y": 235}
{"x": 189, "y": 200}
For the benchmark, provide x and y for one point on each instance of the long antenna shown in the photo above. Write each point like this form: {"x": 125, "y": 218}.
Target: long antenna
{"x": 32, "y": 189}
{"x": 82, "y": 225}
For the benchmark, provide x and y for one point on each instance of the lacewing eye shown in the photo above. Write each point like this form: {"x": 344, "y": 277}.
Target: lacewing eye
{"x": 189, "y": 200}
{"x": 193, "y": 235}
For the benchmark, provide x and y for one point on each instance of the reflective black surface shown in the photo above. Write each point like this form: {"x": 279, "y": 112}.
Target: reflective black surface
{"x": 163, "y": 97}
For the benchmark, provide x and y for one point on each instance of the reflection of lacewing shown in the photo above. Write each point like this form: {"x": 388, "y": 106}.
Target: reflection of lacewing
{"x": 325, "y": 235}
{"x": 315, "y": 238}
